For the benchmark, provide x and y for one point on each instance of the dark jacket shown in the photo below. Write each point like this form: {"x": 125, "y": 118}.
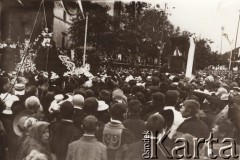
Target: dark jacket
{"x": 195, "y": 127}
{"x": 136, "y": 150}
{"x": 78, "y": 117}
{"x": 136, "y": 125}
{"x": 62, "y": 134}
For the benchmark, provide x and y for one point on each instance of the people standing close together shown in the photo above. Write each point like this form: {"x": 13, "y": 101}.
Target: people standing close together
{"x": 107, "y": 122}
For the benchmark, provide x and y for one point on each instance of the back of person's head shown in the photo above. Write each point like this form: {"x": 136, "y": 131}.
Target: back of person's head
{"x": 89, "y": 93}
{"x": 104, "y": 95}
{"x": 90, "y": 124}
{"x": 81, "y": 92}
{"x": 17, "y": 107}
{"x": 155, "y": 123}
{"x": 163, "y": 88}
{"x": 171, "y": 97}
{"x": 69, "y": 88}
{"x": 31, "y": 90}
{"x": 66, "y": 110}
{"x": 140, "y": 96}
{"x": 78, "y": 100}
{"x": 126, "y": 88}
{"x": 192, "y": 107}
{"x": 117, "y": 93}
{"x": 118, "y": 110}
{"x": 158, "y": 98}
{"x": 90, "y": 106}
{"x": 155, "y": 81}
{"x": 193, "y": 97}
{"x": 134, "y": 107}
{"x": 183, "y": 95}
{"x": 136, "y": 89}
{"x": 33, "y": 104}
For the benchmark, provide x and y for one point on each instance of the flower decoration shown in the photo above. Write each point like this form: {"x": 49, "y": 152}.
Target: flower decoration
{"x": 54, "y": 76}
{"x": 4, "y": 45}
{"x": 30, "y": 122}
{"x": 45, "y": 38}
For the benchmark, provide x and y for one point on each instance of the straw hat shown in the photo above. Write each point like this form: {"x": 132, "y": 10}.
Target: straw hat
{"x": 19, "y": 123}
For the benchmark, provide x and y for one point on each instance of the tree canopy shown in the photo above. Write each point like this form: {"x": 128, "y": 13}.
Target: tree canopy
{"x": 140, "y": 30}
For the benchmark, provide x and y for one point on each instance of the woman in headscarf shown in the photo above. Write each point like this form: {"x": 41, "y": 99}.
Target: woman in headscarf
{"x": 36, "y": 144}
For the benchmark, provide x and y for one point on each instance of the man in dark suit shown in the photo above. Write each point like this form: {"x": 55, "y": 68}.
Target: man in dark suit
{"x": 64, "y": 131}
{"x": 133, "y": 122}
{"x": 136, "y": 151}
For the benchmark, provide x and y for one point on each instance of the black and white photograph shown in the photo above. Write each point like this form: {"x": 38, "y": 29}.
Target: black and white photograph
{"x": 119, "y": 79}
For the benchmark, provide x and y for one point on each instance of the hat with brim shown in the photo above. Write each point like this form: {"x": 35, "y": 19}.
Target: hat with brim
{"x": 19, "y": 120}
{"x": 7, "y": 111}
{"x": 102, "y": 106}
{"x": 19, "y": 89}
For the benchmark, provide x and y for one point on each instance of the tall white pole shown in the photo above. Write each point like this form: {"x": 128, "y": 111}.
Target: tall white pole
{"x": 221, "y": 40}
{"x": 85, "y": 41}
{"x": 191, "y": 53}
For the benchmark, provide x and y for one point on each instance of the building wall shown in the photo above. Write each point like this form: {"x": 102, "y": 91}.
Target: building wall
{"x": 62, "y": 22}
{"x": 17, "y": 21}
{"x": 61, "y": 25}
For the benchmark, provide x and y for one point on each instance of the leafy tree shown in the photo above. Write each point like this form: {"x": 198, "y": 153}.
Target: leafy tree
{"x": 99, "y": 27}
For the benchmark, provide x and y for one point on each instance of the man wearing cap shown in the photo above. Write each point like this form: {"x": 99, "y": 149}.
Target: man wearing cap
{"x": 64, "y": 131}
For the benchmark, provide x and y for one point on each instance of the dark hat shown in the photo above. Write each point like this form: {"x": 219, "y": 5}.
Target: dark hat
{"x": 66, "y": 108}
{"x": 90, "y": 105}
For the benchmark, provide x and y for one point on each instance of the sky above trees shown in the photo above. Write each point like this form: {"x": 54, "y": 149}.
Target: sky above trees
{"x": 205, "y": 18}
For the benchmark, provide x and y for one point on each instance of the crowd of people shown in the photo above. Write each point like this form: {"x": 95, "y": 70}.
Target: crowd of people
{"x": 68, "y": 118}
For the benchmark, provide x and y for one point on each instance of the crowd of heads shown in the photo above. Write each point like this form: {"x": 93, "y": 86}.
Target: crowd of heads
{"x": 32, "y": 102}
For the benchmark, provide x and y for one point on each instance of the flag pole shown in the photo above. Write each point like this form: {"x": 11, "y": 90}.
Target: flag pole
{"x": 230, "y": 62}
{"x": 237, "y": 31}
{"x": 162, "y": 45}
{"x": 85, "y": 41}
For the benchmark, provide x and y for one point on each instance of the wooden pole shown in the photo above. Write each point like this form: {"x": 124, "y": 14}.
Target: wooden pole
{"x": 85, "y": 41}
